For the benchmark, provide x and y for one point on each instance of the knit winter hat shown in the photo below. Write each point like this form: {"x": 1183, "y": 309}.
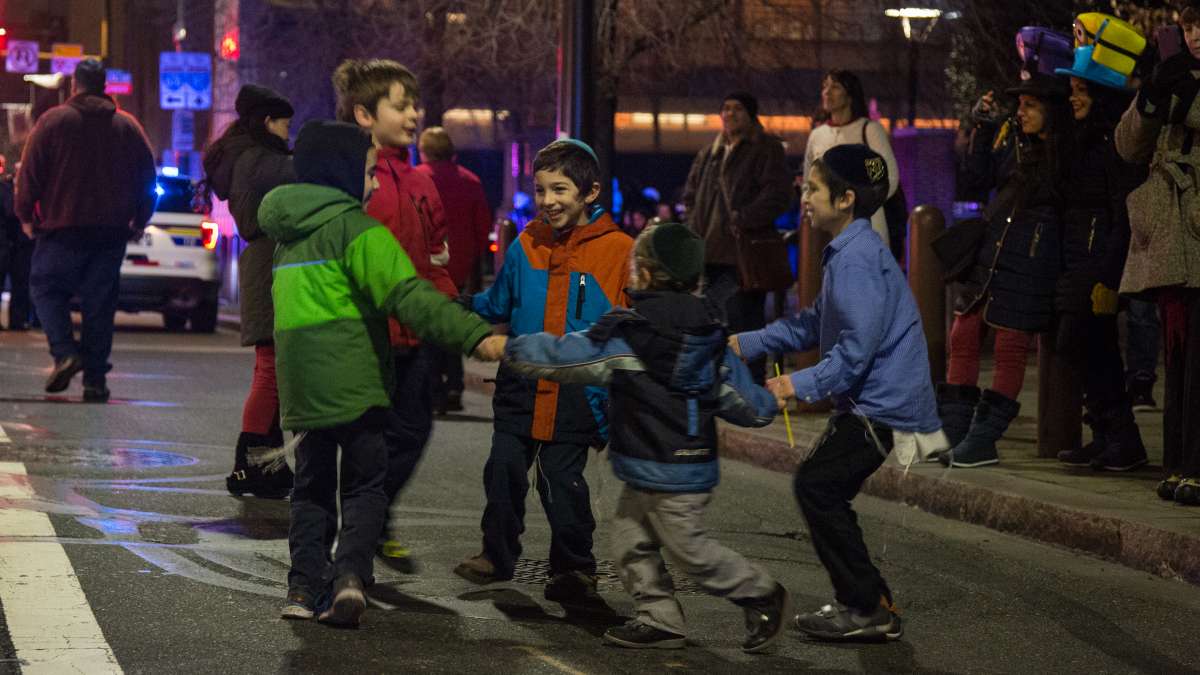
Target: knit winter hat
{"x": 746, "y": 99}
{"x": 257, "y": 101}
{"x": 862, "y": 168}
{"x": 332, "y": 154}
{"x": 678, "y": 251}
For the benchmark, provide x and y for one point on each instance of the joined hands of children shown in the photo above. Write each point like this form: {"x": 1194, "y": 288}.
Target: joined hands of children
{"x": 781, "y": 388}
{"x": 491, "y": 348}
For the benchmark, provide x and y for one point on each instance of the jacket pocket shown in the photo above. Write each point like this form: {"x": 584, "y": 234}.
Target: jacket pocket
{"x": 1145, "y": 204}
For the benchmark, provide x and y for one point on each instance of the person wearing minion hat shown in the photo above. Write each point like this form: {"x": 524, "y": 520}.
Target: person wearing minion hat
{"x": 1096, "y": 239}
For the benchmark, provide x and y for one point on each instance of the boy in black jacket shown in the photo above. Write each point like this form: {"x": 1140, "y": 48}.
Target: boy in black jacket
{"x": 670, "y": 375}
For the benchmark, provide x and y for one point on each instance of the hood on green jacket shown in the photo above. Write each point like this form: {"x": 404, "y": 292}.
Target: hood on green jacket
{"x": 292, "y": 212}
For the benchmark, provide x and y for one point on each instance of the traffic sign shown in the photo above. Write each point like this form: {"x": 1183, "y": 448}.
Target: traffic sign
{"x": 22, "y": 57}
{"x": 64, "y": 64}
{"x": 118, "y": 82}
{"x": 184, "y": 81}
{"x": 183, "y": 131}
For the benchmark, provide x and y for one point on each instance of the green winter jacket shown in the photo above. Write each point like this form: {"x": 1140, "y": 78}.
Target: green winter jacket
{"x": 338, "y": 275}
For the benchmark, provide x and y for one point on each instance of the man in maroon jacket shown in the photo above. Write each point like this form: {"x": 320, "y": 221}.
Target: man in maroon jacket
{"x": 85, "y": 188}
{"x": 468, "y": 221}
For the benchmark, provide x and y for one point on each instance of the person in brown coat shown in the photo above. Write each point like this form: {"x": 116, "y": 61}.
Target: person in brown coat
{"x": 1164, "y": 250}
{"x": 737, "y": 185}
{"x": 250, "y": 159}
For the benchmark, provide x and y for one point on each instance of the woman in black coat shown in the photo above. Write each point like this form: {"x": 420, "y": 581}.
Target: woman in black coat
{"x": 242, "y": 166}
{"x": 1010, "y": 286}
{"x": 1095, "y": 243}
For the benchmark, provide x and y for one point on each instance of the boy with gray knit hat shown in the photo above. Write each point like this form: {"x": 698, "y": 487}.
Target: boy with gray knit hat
{"x": 669, "y": 375}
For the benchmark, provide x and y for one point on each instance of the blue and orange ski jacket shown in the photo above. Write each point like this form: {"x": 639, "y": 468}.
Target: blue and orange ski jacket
{"x": 557, "y": 283}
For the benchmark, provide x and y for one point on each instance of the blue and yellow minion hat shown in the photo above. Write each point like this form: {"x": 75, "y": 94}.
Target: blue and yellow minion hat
{"x": 1106, "y": 50}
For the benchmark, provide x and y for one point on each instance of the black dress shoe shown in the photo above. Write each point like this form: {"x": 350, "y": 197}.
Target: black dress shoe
{"x": 95, "y": 394}
{"x": 64, "y": 369}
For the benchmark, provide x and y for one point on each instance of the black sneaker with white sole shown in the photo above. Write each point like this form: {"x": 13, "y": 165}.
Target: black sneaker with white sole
{"x": 347, "y": 604}
{"x": 636, "y": 635}
{"x": 836, "y": 622}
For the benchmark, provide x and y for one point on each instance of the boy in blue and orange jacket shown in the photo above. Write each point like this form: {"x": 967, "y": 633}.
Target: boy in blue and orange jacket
{"x": 670, "y": 375}
{"x": 566, "y": 269}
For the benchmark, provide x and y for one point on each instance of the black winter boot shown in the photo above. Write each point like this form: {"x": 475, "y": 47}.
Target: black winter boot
{"x": 1123, "y": 449}
{"x": 956, "y": 406}
{"x": 978, "y": 448}
{"x": 1091, "y": 451}
{"x": 273, "y": 481}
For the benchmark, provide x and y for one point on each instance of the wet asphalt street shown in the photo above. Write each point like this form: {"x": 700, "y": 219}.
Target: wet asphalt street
{"x": 178, "y": 576}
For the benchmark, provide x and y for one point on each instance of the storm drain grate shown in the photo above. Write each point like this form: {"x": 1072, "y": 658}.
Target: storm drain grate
{"x": 537, "y": 573}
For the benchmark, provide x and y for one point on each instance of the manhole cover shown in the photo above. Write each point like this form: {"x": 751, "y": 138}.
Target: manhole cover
{"x": 537, "y": 573}
{"x": 96, "y": 456}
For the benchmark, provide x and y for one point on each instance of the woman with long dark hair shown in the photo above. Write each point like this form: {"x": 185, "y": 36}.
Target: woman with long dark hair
{"x": 1095, "y": 244}
{"x": 249, "y": 159}
{"x": 1011, "y": 285}
{"x": 846, "y": 121}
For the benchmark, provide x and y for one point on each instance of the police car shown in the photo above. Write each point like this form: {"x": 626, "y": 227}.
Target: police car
{"x": 173, "y": 268}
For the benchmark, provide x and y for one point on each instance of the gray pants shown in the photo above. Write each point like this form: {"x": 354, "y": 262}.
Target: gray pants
{"x": 648, "y": 522}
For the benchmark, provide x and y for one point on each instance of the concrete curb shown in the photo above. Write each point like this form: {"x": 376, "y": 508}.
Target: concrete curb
{"x": 1133, "y": 544}
{"x": 1136, "y": 545}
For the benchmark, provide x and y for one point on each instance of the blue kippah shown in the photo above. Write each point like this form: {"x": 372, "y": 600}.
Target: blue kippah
{"x": 581, "y": 145}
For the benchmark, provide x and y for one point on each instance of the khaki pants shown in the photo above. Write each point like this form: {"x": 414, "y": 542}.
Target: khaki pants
{"x": 648, "y": 522}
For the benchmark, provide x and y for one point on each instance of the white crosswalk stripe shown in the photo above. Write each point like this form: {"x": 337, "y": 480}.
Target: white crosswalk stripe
{"x": 51, "y": 625}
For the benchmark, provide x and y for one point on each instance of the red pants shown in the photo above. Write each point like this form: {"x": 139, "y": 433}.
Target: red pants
{"x": 1011, "y": 355}
{"x": 261, "y": 411}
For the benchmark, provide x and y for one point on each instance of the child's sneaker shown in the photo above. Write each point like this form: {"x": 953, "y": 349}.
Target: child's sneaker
{"x": 1167, "y": 486}
{"x": 572, "y": 587}
{"x": 838, "y": 622}
{"x": 478, "y": 570}
{"x": 396, "y": 556}
{"x": 765, "y": 619}
{"x": 1188, "y": 492}
{"x": 637, "y": 635}
{"x": 299, "y": 607}
{"x": 347, "y": 604}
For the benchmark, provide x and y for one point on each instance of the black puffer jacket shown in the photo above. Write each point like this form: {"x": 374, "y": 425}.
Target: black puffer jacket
{"x": 1095, "y": 219}
{"x": 1016, "y": 268}
{"x": 243, "y": 169}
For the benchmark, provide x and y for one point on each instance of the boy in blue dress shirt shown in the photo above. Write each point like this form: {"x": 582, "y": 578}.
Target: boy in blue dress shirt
{"x": 874, "y": 367}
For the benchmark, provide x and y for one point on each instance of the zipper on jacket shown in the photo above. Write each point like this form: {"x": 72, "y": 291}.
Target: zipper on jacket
{"x": 1037, "y": 236}
{"x": 580, "y": 296}
{"x": 1092, "y": 235}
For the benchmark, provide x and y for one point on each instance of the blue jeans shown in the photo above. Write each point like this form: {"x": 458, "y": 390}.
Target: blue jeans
{"x": 83, "y": 263}
{"x": 1141, "y": 351}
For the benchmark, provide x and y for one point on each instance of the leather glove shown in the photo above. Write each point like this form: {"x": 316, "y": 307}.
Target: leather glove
{"x": 1186, "y": 90}
{"x": 1104, "y": 300}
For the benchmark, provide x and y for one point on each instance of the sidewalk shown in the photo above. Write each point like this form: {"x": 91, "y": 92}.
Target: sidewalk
{"x": 1115, "y": 516}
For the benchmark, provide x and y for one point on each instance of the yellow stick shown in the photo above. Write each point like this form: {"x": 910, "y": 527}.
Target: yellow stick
{"x": 787, "y": 420}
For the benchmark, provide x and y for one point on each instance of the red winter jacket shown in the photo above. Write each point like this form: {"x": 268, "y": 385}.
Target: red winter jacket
{"x": 86, "y": 164}
{"x": 408, "y": 204}
{"x": 468, "y": 217}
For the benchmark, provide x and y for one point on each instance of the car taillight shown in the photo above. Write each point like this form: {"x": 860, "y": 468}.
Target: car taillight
{"x": 209, "y": 235}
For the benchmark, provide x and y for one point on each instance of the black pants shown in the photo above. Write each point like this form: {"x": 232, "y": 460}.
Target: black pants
{"x": 824, "y": 486}
{"x": 740, "y": 310}
{"x": 447, "y": 373}
{"x": 1181, "y": 407}
{"x": 1094, "y": 351}
{"x": 16, "y": 265}
{"x": 410, "y": 422}
{"x": 565, "y": 499}
{"x": 315, "y": 497}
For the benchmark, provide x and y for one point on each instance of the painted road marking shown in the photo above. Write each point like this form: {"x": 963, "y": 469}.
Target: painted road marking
{"x": 3, "y": 436}
{"x": 49, "y": 620}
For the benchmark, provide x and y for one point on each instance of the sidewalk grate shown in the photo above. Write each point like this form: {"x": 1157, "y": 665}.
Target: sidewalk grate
{"x": 537, "y": 573}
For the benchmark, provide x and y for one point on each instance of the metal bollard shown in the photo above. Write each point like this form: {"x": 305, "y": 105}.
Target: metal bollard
{"x": 925, "y": 282}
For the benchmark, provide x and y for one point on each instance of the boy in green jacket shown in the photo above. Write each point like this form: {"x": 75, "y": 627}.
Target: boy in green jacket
{"x": 338, "y": 275}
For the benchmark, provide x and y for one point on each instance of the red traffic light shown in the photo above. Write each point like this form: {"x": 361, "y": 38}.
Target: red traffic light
{"x": 231, "y": 45}
{"x": 3, "y": 38}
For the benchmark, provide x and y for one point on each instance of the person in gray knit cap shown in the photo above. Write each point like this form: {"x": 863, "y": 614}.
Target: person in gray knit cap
{"x": 670, "y": 374}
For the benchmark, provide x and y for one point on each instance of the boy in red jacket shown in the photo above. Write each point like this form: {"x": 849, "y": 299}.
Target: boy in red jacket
{"x": 381, "y": 96}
